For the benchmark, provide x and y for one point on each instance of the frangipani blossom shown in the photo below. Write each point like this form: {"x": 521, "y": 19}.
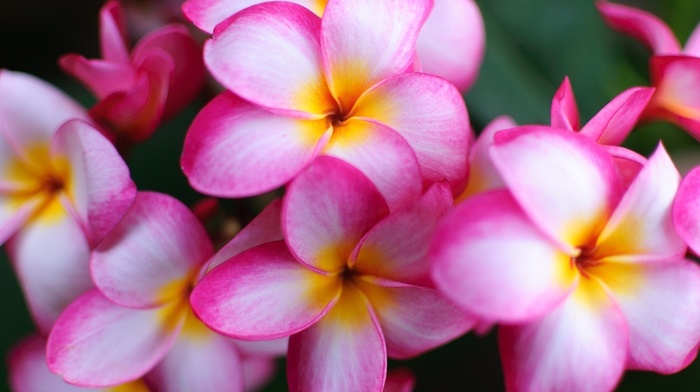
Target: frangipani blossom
{"x": 63, "y": 186}
{"x": 675, "y": 71}
{"x": 450, "y": 43}
{"x": 139, "y": 322}
{"x": 586, "y": 275}
{"x": 301, "y": 86}
{"x": 350, "y": 285}
{"x": 138, "y": 90}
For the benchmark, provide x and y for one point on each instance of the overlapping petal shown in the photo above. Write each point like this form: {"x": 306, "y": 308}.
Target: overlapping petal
{"x": 99, "y": 76}
{"x": 692, "y": 45}
{"x": 615, "y": 121}
{"x": 686, "y": 210}
{"x": 677, "y": 79}
{"x": 564, "y": 111}
{"x": 113, "y": 33}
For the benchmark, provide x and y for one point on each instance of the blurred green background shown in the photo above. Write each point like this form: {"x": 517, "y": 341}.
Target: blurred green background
{"x": 531, "y": 46}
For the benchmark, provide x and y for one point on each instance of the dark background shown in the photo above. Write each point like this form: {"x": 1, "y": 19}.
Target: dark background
{"x": 531, "y": 46}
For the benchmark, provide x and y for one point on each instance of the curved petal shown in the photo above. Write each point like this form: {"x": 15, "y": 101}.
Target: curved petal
{"x": 327, "y": 210}
{"x": 113, "y": 33}
{"x": 692, "y": 45}
{"x": 646, "y": 27}
{"x": 677, "y": 80}
{"x": 344, "y": 351}
{"x": 396, "y": 248}
{"x": 661, "y": 305}
{"x": 151, "y": 256}
{"x": 616, "y": 120}
{"x": 270, "y": 54}
{"x": 98, "y": 343}
{"x": 380, "y": 154}
{"x": 367, "y": 41}
{"x": 686, "y": 210}
{"x": 489, "y": 258}
{"x": 641, "y": 228}
{"x": 99, "y": 76}
{"x": 566, "y": 183}
{"x": 564, "y": 110}
{"x": 235, "y": 149}
{"x": 14, "y": 216}
{"x": 430, "y": 114}
{"x": 627, "y": 161}
{"x": 579, "y": 346}
{"x": 263, "y": 293}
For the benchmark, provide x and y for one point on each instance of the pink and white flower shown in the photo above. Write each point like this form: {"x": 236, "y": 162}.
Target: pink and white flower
{"x": 301, "y": 86}
{"x": 586, "y": 275}
{"x": 350, "y": 283}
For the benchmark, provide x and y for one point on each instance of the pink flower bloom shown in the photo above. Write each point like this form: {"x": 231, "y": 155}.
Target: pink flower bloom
{"x": 62, "y": 188}
{"x": 350, "y": 285}
{"x": 675, "y": 71}
{"x": 586, "y": 275}
{"x": 450, "y": 44}
{"x": 138, "y": 91}
{"x": 301, "y": 86}
{"x": 140, "y": 320}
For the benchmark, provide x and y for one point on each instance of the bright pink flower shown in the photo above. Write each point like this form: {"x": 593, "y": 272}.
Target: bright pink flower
{"x": 138, "y": 91}
{"x": 140, "y": 320}
{"x": 450, "y": 44}
{"x": 675, "y": 71}
{"x": 587, "y": 278}
{"x": 351, "y": 285}
{"x": 302, "y": 86}
{"x": 63, "y": 187}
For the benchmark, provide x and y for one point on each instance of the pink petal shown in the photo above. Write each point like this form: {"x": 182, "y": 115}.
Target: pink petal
{"x": 692, "y": 45}
{"x": 616, "y": 120}
{"x": 236, "y": 149}
{"x": 641, "y": 228}
{"x": 564, "y": 111}
{"x": 263, "y": 293}
{"x": 579, "y": 346}
{"x": 380, "y": 154}
{"x": 113, "y": 40}
{"x": 566, "y": 183}
{"x": 101, "y": 77}
{"x": 344, "y": 351}
{"x": 686, "y": 210}
{"x": 367, "y": 41}
{"x": 660, "y": 303}
{"x": 677, "y": 79}
{"x": 413, "y": 319}
{"x": 627, "y": 161}
{"x": 430, "y": 114}
{"x": 327, "y": 210}
{"x": 13, "y": 216}
{"x": 152, "y": 255}
{"x": 489, "y": 258}
{"x": 397, "y": 247}
{"x": 451, "y": 42}
{"x": 646, "y": 27}
{"x": 98, "y": 343}
{"x": 270, "y": 54}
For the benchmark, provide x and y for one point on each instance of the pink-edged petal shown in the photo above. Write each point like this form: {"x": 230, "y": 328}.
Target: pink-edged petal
{"x": 270, "y": 54}
{"x": 113, "y": 39}
{"x": 151, "y": 256}
{"x": 686, "y": 210}
{"x": 661, "y": 305}
{"x": 692, "y": 45}
{"x": 430, "y": 114}
{"x": 566, "y": 183}
{"x": 266, "y": 227}
{"x": 50, "y": 256}
{"x": 99, "y": 185}
{"x": 13, "y": 216}
{"x": 327, "y": 210}
{"x": 489, "y": 258}
{"x": 399, "y": 380}
{"x": 257, "y": 372}
{"x": 263, "y": 293}
{"x": 367, "y": 41}
{"x": 235, "y": 149}
{"x": 96, "y": 342}
{"x": 627, "y": 161}
{"x": 99, "y": 76}
{"x": 564, "y": 110}
{"x": 579, "y": 346}
{"x": 451, "y": 42}
{"x": 380, "y": 154}
{"x": 641, "y": 228}
{"x": 397, "y": 247}
{"x": 413, "y": 319}
{"x": 646, "y": 27}
{"x": 344, "y": 351}
{"x": 677, "y": 80}
{"x": 616, "y": 120}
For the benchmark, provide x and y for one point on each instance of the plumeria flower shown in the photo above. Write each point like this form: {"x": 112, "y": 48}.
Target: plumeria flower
{"x": 138, "y": 322}
{"x": 675, "y": 71}
{"x": 138, "y": 90}
{"x": 350, "y": 283}
{"x": 63, "y": 186}
{"x": 450, "y": 43}
{"x": 586, "y": 276}
{"x": 301, "y": 86}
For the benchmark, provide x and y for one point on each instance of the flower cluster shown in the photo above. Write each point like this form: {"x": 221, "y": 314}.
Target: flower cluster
{"x": 396, "y": 229}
